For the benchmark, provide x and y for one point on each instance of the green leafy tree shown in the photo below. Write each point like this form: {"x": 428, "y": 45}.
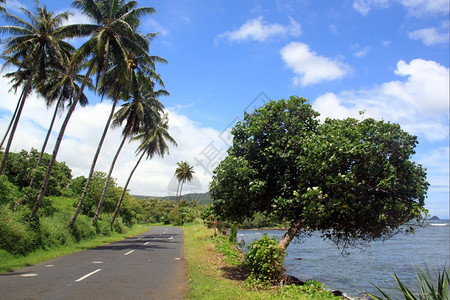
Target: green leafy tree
{"x": 184, "y": 172}
{"x": 352, "y": 181}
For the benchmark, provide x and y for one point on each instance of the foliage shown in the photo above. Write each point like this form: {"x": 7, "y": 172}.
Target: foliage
{"x": 9, "y": 193}
{"x": 429, "y": 287}
{"x": 21, "y": 168}
{"x": 231, "y": 255}
{"x": 264, "y": 260}
{"x": 314, "y": 289}
{"x": 95, "y": 191}
{"x": 352, "y": 180}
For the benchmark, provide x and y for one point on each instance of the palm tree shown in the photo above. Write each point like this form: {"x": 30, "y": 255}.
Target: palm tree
{"x": 142, "y": 112}
{"x": 2, "y": 9}
{"x": 183, "y": 173}
{"x": 153, "y": 143}
{"x": 32, "y": 46}
{"x": 116, "y": 23}
{"x": 114, "y": 36}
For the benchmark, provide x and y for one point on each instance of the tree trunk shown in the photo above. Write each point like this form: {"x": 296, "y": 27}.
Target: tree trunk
{"x": 116, "y": 211}
{"x": 290, "y": 234}
{"x": 12, "y": 119}
{"x": 39, "y": 199}
{"x": 105, "y": 187}
{"x": 94, "y": 162}
{"x": 25, "y": 92}
{"x": 47, "y": 137}
{"x": 181, "y": 188}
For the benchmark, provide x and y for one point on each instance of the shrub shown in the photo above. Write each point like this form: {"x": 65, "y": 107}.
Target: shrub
{"x": 18, "y": 234}
{"x": 54, "y": 230}
{"x": 118, "y": 226}
{"x": 265, "y": 260}
{"x": 82, "y": 230}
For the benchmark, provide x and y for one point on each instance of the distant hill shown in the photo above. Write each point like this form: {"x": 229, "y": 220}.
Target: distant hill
{"x": 201, "y": 198}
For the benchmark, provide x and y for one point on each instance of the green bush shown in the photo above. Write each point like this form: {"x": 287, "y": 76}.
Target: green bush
{"x": 82, "y": 230}
{"x": 265, "y": 260}
{"x": 18, "y": 234}
{"x": 8, "y": 191}
{"x": 54, "y": 230}
{"x": 118, "y": 226}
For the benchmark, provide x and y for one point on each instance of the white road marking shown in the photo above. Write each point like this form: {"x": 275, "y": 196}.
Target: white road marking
{"x": 177, "y": 258}
{"x": 171, "y": 238}
{"x": 97, "y": 262}
{"x": 29, "y": 275}
{"x": 146, "y": 243}
{"x": 87, "y": 275}
{"x": 49, "y": 266}
{"x": 129, "y": 252}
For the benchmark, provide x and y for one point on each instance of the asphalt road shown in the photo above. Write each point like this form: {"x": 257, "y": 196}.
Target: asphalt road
{"x": 147, "y": 266}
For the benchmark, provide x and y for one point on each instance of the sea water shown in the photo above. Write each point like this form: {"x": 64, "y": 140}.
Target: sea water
{"x": 356, "y": 274}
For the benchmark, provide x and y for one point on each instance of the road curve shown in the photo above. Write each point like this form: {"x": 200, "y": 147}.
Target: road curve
{"x": 147, "y": 266}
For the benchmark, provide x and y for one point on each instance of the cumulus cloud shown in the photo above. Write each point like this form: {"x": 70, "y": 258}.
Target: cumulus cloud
{"x": 429, "y": 36}
{"x": 200, "y": 146}
{"x": 309, "y": 67}
{"x": 415, "y": 7}
{"x": 419, "y": 102}
{"x": 259, "y": 30}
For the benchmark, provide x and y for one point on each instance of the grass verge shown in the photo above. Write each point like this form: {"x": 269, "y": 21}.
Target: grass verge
{"x": 10, "y": 262}
{"x": 214, "y": 272}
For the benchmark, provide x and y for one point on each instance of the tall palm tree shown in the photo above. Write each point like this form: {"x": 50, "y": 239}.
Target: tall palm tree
{"x": 142, "y": 111}
{"x": 32, "y": 45}
{"x": 153, "y": 143}
{"x": 114, "y": 36}
{"x": 2, "y": 9}
{"x": 184, "y": 172}
{"x": 115, "y": 27}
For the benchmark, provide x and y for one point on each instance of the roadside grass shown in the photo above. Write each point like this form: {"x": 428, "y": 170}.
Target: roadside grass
{"x": 215, "y": 271}
{"x": 10, "y": 262}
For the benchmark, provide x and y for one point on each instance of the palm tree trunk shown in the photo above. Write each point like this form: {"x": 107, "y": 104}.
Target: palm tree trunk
{"x": 47, "y": 137}
{"x": 94, "y": 162}
{"x": 22, "y": 201}
{"x": 105, "y": 187}
{"x": 40, "y": 197}
{"x": 25, "y": 92}
{"x": 181, "y": 188}
{"x": 116, "y": 211}
{"x": 12, "y": 119}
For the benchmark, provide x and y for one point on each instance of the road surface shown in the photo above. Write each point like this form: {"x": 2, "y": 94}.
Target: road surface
{"x": 147, "y": 266}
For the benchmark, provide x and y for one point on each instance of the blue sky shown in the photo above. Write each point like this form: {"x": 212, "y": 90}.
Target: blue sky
{"x": 389, "y": 58}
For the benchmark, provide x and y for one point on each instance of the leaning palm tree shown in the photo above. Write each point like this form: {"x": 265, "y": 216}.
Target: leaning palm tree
{"x": 153, "y": 143}
{"x": 115, "y": 25}
{"x": 113, "y": 44}
{"x": 31, "y": 47}
{"x": 142, "y": 111}
{"x": 184, "y": 172}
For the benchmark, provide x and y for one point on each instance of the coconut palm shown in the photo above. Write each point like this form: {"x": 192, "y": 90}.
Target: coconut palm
{"x": 143, "y": 111}
{"x": 113, "y": 42}
{"x": 184, "y": 172}
{"x": 31, "y": 47}
{"x": 153, "y": 142}
{"x": 111, "y": 37}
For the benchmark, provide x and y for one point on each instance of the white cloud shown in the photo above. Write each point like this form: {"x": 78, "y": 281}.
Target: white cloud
{"x": 309, "y": 67}
{"x": 259, "y": 30}
{"x": 84, "y": 131}
{"x": 362, "y": 52}
{"x": 419, "y": 103}
{"x": 429, "y": 36}
{"x": 13, "y": 5}
{"x": 154, "y": 26}
{"x": 415, "y": 7}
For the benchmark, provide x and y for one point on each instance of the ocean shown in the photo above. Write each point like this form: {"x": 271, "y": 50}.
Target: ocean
{"x": 356, "y": 274}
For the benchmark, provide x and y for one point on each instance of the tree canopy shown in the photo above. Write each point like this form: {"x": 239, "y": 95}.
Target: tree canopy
{"x": 352, "y": 180}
